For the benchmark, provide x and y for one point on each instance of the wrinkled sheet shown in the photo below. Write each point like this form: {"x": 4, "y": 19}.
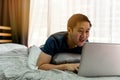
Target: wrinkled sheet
{"x": 13, "y": 66}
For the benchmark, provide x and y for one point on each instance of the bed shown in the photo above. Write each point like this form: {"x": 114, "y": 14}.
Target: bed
{"x": 16, "y": 59}
{"x": 14, "y": 66}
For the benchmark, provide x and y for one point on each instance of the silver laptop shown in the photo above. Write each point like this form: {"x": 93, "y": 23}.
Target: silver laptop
{"x": 100, "y": 59}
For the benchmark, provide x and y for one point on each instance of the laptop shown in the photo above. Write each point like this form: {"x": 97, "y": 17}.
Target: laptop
{"x": 100, "y": 59}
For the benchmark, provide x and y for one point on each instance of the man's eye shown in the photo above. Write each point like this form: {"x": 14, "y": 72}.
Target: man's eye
{"x": 80, "y": 31}
{"x": 87, "y": 31}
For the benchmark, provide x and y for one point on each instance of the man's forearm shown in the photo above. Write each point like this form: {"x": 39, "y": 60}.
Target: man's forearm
{"x": 51, "y": 66}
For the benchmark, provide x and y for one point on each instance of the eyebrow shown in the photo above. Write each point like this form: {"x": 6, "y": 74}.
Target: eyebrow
{"x": 87, "y": 29}
{"x": 80, "y": 28}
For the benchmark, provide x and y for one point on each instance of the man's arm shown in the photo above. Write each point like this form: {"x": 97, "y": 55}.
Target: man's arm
{"x": 44, "y": 59}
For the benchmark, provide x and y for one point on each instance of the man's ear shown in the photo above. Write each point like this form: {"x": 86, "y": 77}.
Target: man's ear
{"x": 69, "y": 29}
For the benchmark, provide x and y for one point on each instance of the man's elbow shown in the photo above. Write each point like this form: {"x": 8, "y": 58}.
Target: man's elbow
{"x": 42, "y": 66}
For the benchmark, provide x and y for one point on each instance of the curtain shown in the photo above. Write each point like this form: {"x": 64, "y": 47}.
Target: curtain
{"x": 15, "y": 13}
{"x": 4, "y": 13}
{"x": 50, "y": 16}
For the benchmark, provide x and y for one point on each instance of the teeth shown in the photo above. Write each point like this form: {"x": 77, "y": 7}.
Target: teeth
{"x": 82, "y": 40}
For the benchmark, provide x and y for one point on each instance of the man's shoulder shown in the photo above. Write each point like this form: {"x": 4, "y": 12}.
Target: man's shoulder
{"x": 59, "y": 35}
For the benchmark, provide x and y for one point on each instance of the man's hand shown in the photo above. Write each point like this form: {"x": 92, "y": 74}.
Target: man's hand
{"x": 72, "y": 67}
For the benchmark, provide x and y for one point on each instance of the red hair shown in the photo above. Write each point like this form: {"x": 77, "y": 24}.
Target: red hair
{"x": 74, "y": 19}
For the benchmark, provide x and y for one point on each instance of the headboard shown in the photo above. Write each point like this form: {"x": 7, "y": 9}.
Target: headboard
{"x": 5, "y": 34}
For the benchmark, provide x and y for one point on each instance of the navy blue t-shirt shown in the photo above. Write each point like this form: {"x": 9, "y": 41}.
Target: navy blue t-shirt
{"x": 57, "y": 43}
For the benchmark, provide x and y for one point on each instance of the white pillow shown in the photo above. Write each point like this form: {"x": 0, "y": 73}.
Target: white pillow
{"x": 10, "y": 46}
{"x": 34, "y": 53}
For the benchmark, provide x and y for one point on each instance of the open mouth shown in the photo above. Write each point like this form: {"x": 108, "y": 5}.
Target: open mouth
{"x": 82, "y": 40}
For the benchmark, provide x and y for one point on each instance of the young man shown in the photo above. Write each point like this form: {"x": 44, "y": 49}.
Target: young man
{"x": 77, "y": 34}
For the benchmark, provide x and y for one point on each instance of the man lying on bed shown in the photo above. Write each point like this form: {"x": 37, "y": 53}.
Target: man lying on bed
{"x": 77, "y": 34}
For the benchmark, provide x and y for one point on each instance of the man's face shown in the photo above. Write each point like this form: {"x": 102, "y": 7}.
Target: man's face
{"x": 80, "y": 33}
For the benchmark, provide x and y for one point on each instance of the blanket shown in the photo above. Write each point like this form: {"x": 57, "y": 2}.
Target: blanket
{"x": 13, "y": 66}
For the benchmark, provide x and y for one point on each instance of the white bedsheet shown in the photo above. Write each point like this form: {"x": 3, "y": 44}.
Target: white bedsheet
{"x": 13, "y": 66}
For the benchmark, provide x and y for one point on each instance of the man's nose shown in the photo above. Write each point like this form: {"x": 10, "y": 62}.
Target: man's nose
{"x": 83, "y": 35}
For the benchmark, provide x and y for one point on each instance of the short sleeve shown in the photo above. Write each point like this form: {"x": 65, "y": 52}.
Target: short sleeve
{"x": 49, "y": 46}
